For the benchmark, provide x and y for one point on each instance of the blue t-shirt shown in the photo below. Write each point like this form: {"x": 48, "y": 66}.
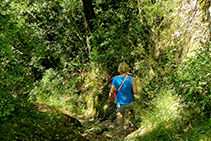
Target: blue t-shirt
{"x": 125, "y": 95}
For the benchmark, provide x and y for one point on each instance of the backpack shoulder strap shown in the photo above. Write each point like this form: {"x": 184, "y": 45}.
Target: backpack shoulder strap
{"x": 122, "y": 82}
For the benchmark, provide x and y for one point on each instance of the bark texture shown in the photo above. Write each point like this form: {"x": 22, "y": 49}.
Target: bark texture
{"x": 89, "y": 14}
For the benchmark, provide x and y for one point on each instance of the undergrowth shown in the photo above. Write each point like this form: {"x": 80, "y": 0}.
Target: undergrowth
{"x": 59, "y": 90}
{"x": 26, "y": 123}
{"x": 168, "y": 118}
{"x": 180, "y": 107}
{"x": 45, "y": 58}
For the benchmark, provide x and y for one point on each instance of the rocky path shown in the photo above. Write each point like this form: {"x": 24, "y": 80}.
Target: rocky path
{"x": 97, "y": 130}
{"x": 105, "y": 130}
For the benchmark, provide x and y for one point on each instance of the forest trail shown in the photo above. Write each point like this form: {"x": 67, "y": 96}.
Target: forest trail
{"x": 99, "y": 130}
{"x": 105, "y": 130}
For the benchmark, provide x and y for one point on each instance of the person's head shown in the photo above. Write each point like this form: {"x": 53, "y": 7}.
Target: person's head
{"x": 123, "y": 68}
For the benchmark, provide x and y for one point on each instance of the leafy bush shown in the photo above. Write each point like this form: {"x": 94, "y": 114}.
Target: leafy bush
{"x": 57, "y": 89}
{"x": 193, "y": 80}
{"x": 180, "y": 101}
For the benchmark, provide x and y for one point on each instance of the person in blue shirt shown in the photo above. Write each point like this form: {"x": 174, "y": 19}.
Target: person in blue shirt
{"x": 125, "y": 95}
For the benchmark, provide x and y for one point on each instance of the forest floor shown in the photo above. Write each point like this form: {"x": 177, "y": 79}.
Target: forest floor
{"x": 105, "y": 129}
{"x": 94, "y": 130}
{"x": 111, "y": 132}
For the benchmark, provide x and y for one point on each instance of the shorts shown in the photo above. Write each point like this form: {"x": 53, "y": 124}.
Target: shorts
{"x": 122, "y": 108}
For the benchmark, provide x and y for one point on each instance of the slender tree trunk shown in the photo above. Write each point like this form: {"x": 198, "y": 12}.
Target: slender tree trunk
{"x": 208, "y": 16}
{"x": 89, "y": 14}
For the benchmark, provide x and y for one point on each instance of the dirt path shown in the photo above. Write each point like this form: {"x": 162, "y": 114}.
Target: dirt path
{"x": 109, "y": 127}
{"x": 102, "y": 131}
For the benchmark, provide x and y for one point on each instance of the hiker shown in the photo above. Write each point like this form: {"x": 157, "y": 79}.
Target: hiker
{"x": 125, "y": 86}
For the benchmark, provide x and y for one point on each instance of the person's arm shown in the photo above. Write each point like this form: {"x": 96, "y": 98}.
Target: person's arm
{"x": 135, "y": 91}
{"x": 111, "y": 93}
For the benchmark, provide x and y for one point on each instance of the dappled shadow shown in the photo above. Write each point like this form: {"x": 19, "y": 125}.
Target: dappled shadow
{"x": 106, "y": 130}
{"x": 27, "y": 123}
{"x": 187, "y": 131}
{"x": 151, "y": 134}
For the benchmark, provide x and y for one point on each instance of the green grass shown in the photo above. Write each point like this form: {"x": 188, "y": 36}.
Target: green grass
{"x": 166, "y": 118}
{"x": 197, "y": 132}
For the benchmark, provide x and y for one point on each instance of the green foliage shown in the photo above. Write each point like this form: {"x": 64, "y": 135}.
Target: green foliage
{"x": 45, "y": 53}
{"x": 203, "y": 4}
{"x": 180, "y": 105}
{"x": 193, "y": 80}
{"x": 112, "y": 40}
{"x": 59, "y": 90}
{"x": 163, "y": 110}
{"x": 16, "y": 80}
{"x": 7, "y": 105}
{"x": 180, "y": 101}
{"x": 200, "y": 131}
{"x": 29, "y": 124}
{"x": 122, "y": 36}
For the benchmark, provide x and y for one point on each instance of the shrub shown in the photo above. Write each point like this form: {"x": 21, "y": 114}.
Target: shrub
{"x": 193, "y": 80}
{"x": 57, "y": 89}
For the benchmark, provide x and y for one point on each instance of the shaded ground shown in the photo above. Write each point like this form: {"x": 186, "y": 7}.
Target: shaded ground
{"x": 45, "y": 123}
{"x": 105, "y": 130}
{"x": 27, "y": 123}
{"x": 97, "y": 130}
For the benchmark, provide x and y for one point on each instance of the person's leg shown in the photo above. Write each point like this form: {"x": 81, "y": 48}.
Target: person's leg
{"x": 122, "y": 119}
{"x": 131, "y": 118}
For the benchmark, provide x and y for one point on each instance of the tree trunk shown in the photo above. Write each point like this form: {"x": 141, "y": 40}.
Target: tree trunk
{"x": 89, "y": 14}
{"x": 208, "y": 16}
